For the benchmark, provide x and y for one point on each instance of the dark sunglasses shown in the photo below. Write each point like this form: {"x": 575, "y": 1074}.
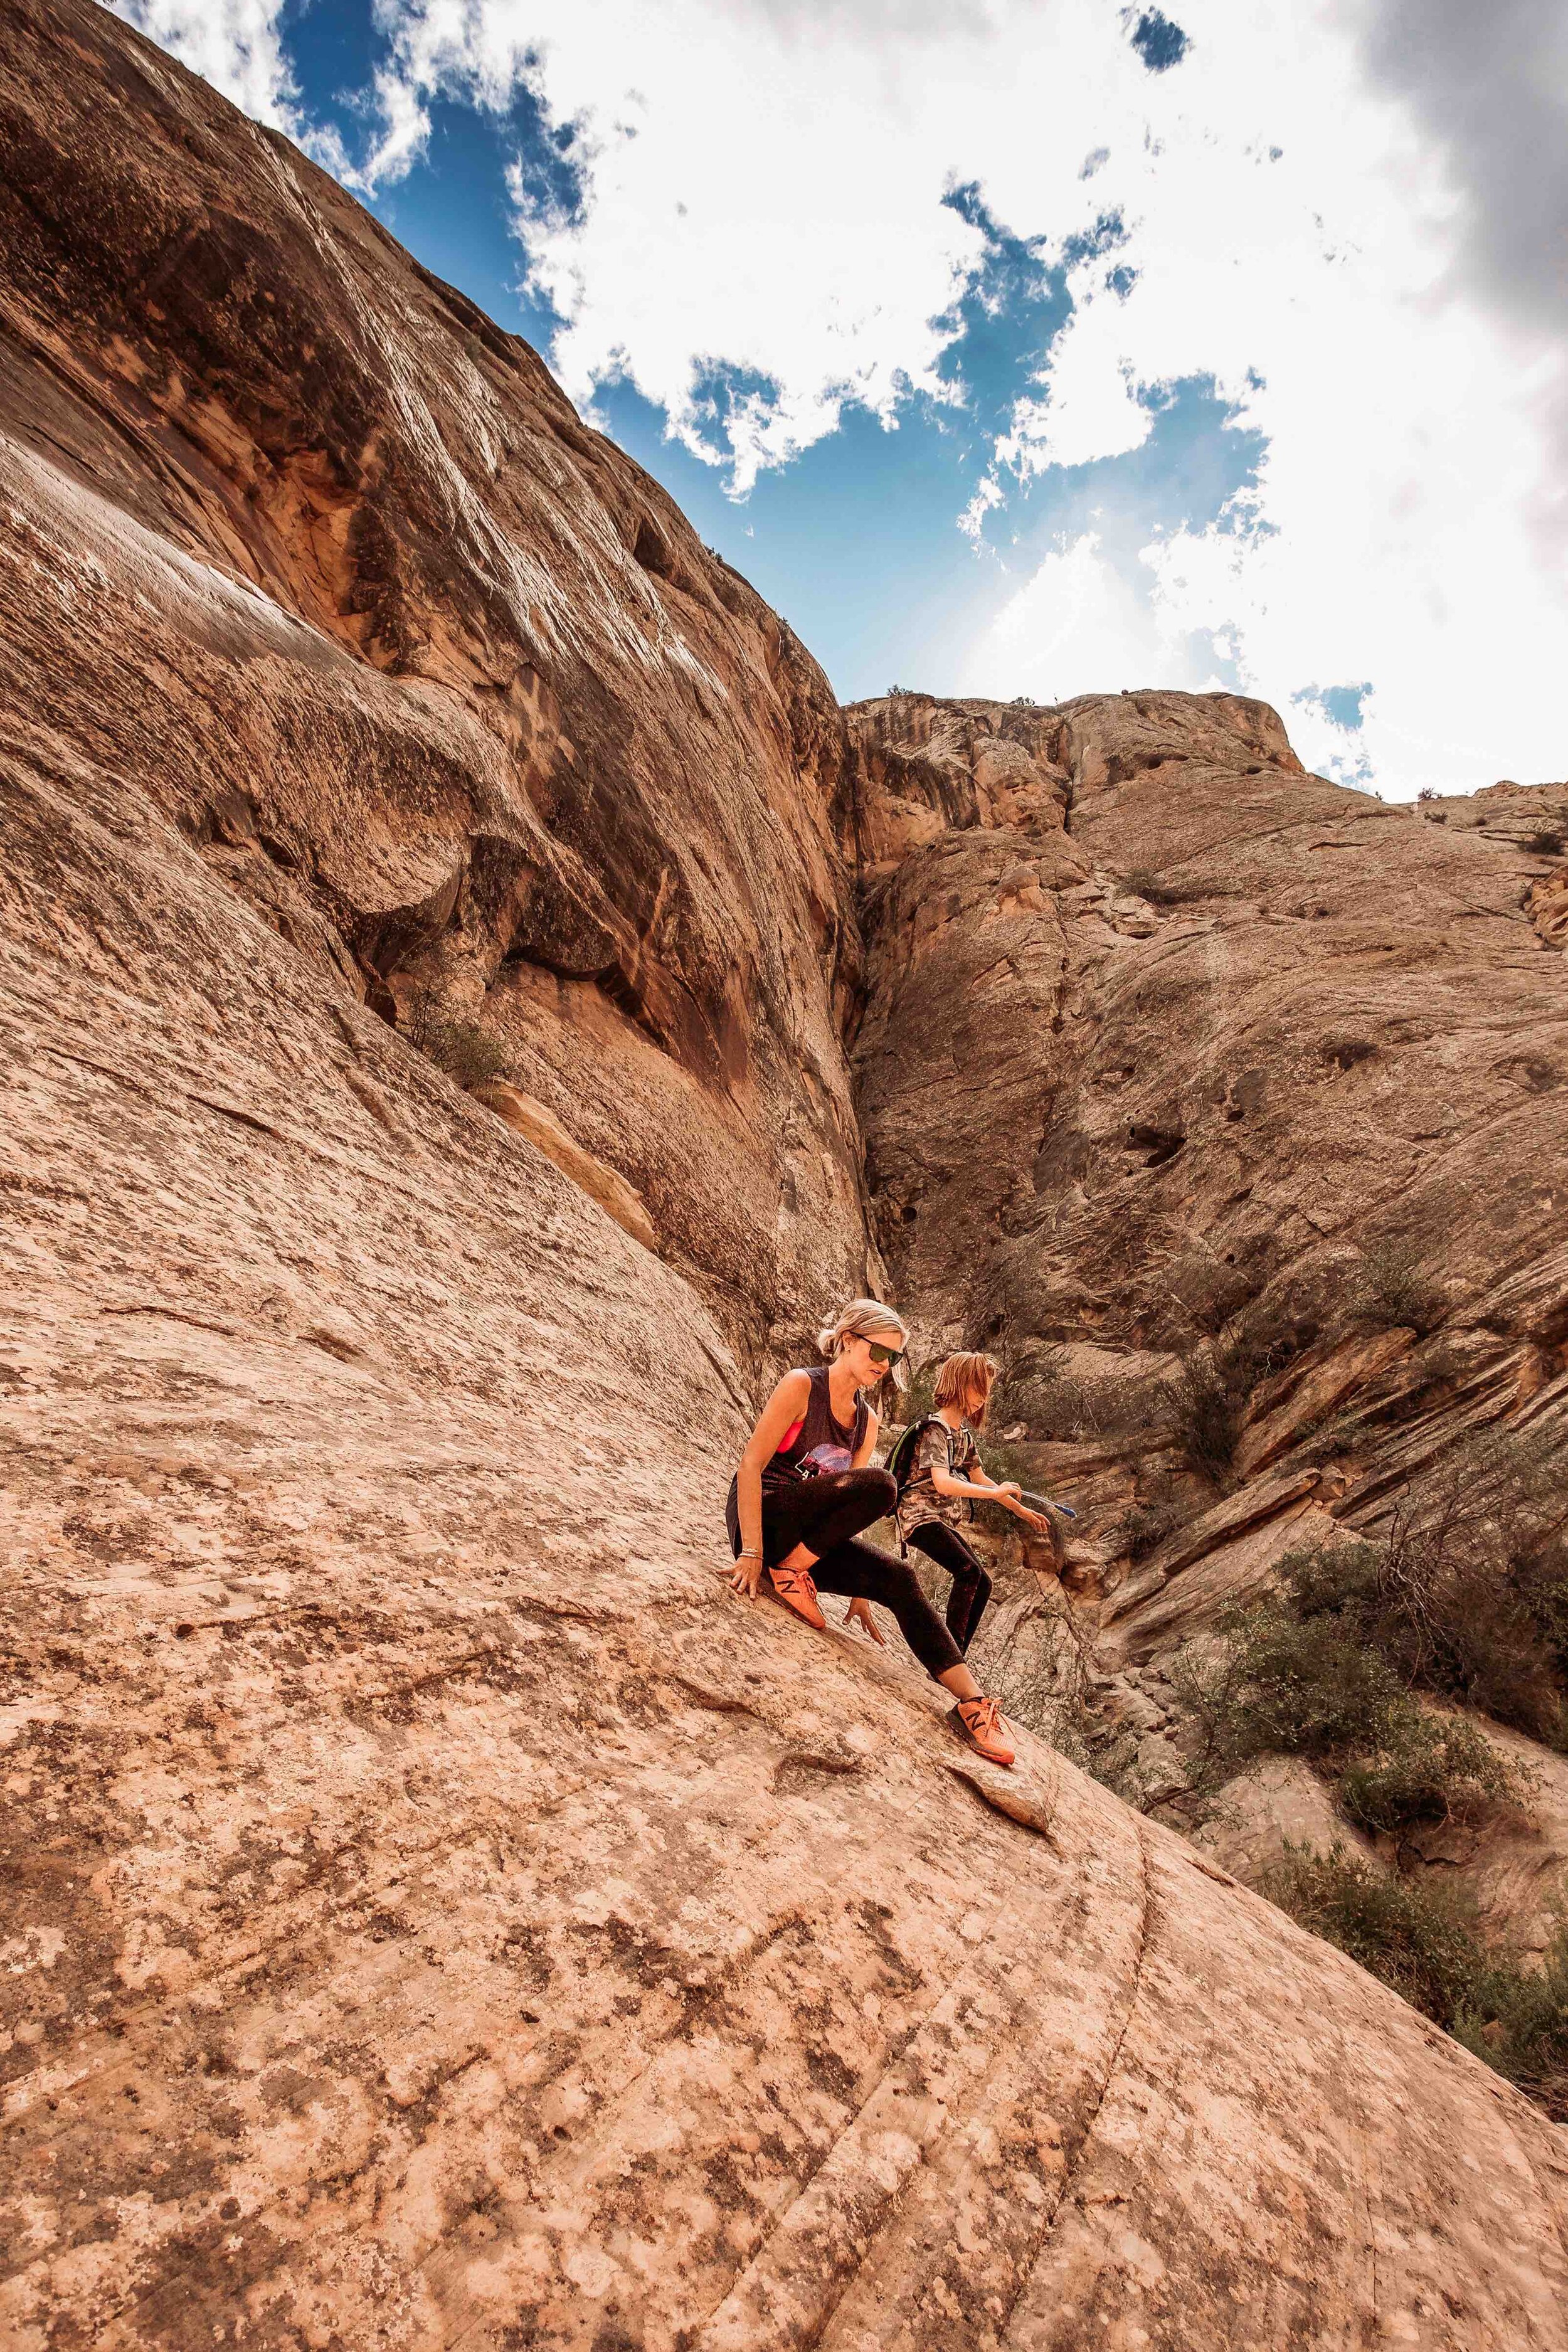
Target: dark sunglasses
{"x": 888, "y": 1357}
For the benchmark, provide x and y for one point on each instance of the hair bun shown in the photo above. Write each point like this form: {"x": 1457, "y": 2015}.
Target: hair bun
{"x": 826, "y": 1339}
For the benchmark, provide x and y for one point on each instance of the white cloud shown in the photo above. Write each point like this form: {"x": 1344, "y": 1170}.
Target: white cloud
{"x": 234, "y": 44}
{"x": 1079, "y": 627}
{"x": 1391, "y": 535}
{"x": 758, "y": 212}
{"x": 1318, "y": 209}
{"x": 764, "y": 189}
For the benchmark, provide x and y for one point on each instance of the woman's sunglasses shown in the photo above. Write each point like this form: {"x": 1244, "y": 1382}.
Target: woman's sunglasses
{"x": 885, "y": 1357}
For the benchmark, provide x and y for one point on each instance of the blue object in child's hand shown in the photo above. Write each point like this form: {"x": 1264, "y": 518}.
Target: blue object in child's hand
{"x": 1039, "y": 1503}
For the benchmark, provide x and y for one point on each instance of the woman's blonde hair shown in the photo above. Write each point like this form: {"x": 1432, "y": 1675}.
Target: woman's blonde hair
{"x": 965, "y": 1381}
{"x": 863, "y": 1318}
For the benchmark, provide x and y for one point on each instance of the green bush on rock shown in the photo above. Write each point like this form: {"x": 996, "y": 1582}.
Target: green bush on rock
{"x": 466, "y": 1052}
{"x": 1423, "y": 1942}
{"x": 1323, "y": 1670}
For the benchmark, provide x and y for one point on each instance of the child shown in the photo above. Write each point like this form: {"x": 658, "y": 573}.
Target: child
{"x": 946, "y": 1478}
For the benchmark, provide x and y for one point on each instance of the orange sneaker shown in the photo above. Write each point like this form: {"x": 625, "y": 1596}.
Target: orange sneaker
{"x": 979, "y": 1720}
{"x": 794, "y": 1588}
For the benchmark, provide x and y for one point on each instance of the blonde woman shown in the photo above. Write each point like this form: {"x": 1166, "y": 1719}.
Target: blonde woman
{"x": 946, "y": 1478}
{"x": 807, "y": 1488}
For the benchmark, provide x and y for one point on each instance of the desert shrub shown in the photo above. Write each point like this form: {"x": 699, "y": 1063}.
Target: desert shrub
{"x": 1421, "y": 1941}
{"x": 1430, "y": 1769}
{"x": 1045, "y": 1392}
{"x": 1143, "y": 882}
{"x": 1057, "y": 1701}
{"x": 1215, "y": 1384}
{"x": 1080, "y": 1408}
{"x": 1546, "y": 841}
{"x": 1415, "y": 1937}
{"x": 1468, "y": 1593}
{"x": 1306, "y": 1689}
{"x": 1207, "y": 1401}
{"x": 1391, "y": 1288}
{"x": 465, "y": 1051}
{"x": 1151, "y": 1518}
{"x": 1540, "y": 1586}
{"x": 1323, "y": 1670}
{"x": 1005, "y": 1459}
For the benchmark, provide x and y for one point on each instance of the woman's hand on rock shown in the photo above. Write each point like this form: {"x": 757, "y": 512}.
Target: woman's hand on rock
{"x": 747, "y": 1576}
{"x": 859, "y": 1613}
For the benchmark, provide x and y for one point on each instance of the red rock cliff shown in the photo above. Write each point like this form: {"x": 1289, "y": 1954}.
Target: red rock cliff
{"x": 437, "y": 1913}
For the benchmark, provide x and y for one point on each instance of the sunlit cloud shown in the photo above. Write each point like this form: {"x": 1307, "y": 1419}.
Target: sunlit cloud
{"x": 746, "y": 209}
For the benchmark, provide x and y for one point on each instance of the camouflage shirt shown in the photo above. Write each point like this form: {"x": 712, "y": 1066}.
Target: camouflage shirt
{"x": 940, "y": 1448}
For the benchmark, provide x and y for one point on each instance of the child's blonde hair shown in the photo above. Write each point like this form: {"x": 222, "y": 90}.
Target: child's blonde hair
{"x": 966, "y": 1381}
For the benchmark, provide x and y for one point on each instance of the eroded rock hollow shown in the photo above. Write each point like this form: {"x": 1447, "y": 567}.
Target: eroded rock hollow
{"x": 437, "y": 1913}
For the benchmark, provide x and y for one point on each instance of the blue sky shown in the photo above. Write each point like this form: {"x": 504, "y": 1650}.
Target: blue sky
{"x": 1021, "y": 346}
{"x": 857, "y": 540}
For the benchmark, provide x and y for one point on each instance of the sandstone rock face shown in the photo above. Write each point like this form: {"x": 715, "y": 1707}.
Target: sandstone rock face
{"x": 1199, "y": 1051}
{"x": 436, "y": 680}
{"x": 1336, "y": 1022}
{"x": 437, "y": 1912}
{"x": 1201, "y": 1045}
{"x": 1531, "y": 818}
{"x": 528, "y": 1118}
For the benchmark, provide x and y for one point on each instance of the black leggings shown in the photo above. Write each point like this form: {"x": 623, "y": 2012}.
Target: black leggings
{"x": 827, "y": 1514}
{"x": 971, "y": 1585}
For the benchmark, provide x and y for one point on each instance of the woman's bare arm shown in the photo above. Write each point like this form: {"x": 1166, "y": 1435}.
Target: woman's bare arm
{"x": 786, "y": 1404}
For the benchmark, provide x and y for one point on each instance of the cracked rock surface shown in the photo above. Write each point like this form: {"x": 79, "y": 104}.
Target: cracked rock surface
{"x": 436, "y": 1913}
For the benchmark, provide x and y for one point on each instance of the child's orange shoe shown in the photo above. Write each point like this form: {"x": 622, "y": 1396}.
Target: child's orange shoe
{"x": 980, "y": 1721}
{"x": 794, "y": 1588}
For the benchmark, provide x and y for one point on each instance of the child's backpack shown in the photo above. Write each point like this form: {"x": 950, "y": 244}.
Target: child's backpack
{"x": 901, "y": 1462}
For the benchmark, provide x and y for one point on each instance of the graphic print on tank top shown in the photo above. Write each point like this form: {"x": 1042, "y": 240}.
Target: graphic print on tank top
{"x": 822, "y": 1459}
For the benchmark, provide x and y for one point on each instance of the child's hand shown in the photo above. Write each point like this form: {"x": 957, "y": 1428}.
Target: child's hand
{"x": 859, "y": 1613}
{"x": 1037, "y": 1520}
{"x": 1012, "y": 1489}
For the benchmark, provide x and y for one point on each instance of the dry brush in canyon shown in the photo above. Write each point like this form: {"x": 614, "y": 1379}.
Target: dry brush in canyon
{"x": 468, "y": 998}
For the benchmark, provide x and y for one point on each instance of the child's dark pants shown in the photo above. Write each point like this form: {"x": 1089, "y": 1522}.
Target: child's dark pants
{"x": 971, "y": 1585}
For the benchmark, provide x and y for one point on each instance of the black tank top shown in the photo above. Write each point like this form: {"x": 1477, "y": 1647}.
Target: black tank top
{"x": 816, "y": 1444}
{"x": 819, "y": 1443}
